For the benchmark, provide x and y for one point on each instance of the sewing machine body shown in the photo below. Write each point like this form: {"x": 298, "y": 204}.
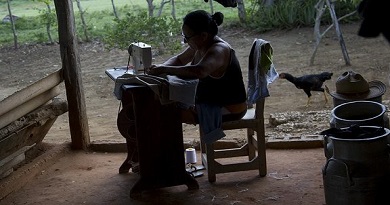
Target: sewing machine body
{"x": 141, "y": 54}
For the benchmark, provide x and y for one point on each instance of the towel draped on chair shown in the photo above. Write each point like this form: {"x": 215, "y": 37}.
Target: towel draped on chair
{"x": 261, "y": 70}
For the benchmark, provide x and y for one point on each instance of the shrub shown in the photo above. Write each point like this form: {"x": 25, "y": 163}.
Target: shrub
{"x": 289, "y": 14}
{"x": 161, "y": 32}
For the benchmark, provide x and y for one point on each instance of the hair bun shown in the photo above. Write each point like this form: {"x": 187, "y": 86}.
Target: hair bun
{"x": 218, "y": 18}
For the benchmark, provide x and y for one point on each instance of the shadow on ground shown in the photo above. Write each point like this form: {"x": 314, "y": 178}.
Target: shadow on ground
{"x": 77, "y": 177}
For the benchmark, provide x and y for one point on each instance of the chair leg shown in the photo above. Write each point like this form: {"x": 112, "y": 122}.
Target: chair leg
{"x": 261, "y": 152}
{"x": 251, "y": 144}
{"x": 210, "y": 162}
{"x": 262, "y": 161}
{"x": 255, "y": 148}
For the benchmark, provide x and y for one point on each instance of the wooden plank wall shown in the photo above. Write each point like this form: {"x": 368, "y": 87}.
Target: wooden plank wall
{"x": 27, "y": 115}
{"x": 28, "y": 99}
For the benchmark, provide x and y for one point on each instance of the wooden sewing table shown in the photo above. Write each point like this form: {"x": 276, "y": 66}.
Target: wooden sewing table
{"x": 159, "y": 137}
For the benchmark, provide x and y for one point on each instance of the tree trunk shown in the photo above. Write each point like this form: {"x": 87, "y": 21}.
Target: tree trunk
{"x": 150, "y": 7}
{"x": 317, "y": 33}
{"x": 163, "y": 2}
{"x": 320, "y": 6}
{"x": 85, "y": 27}
{"x": 211, "y": 6}
{"x": 48, "y": 24}
{"x": 173, "y": 11}
{"x": 241, "y": 11}
{"x": 12, "y": 25}
{"x": 78, "y": 120}
{"x": 338, "y": 31}
{"x": 114, "y": 9}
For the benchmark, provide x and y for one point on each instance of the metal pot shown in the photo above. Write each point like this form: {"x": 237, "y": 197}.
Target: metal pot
{"x": 358, "y": 113}
{"x": 358, "y": 169}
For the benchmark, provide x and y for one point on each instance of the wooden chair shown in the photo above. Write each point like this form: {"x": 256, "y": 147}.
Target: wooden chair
{"x": 254, "y": 148}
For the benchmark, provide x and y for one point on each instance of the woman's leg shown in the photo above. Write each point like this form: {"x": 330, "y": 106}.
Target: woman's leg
{"x": 229, "y": 113}
{"x": 233, "y": 112}
{"x": 189, "y": 116}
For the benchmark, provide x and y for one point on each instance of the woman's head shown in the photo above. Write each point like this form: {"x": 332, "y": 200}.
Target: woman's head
{"x": 201, "y": 21}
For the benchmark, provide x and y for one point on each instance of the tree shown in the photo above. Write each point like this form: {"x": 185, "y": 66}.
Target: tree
{"x": 241, "y": 11}
{"x": 84, "y": 25}
{"x": 321, "y": 7}
{"x": 211, "y": 7}
{"x": 114, "y": 9}
{"x": 49, "y": 22}
{"x": 173, "y": 11}
{"x": 150, "y": 7}
{"x": 48, "y": 16}
{"x": 12, "y": 25}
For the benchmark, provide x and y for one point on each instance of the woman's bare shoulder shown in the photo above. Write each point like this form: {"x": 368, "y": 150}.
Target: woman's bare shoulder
{"x": 222, "y": 42}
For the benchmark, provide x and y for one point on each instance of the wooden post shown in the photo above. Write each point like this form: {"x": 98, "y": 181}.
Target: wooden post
{"x": 317, "y": 33}
{"x": 320, "y": 11}
{"x": 338, "y": 31}
{"x": 78, "y": 121}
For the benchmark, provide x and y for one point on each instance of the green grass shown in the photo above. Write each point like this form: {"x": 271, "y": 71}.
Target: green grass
{"x": 19, "y": 8}
{"x": 98, "y": 14}
{"x": 31, "y": 8}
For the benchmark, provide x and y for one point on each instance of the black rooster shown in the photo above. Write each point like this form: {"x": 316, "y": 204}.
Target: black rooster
{"x": 309, "y": 83}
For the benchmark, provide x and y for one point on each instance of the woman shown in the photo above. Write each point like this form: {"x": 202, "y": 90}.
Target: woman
{"x": 211, "y": 60}
{"x": 220, "y": 94}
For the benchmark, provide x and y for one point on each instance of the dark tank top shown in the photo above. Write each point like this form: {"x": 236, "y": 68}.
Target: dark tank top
{"x": 226, "y": 90}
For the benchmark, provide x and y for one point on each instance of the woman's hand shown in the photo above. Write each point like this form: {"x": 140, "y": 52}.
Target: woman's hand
{"x": 155, "y": 70}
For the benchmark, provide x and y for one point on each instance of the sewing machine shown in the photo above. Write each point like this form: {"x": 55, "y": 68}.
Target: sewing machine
{"x": 141, "y": 55}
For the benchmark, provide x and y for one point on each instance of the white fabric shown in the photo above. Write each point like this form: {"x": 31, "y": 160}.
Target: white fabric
{"x": 169, "y": 88}
{"x": 181, "y": 90}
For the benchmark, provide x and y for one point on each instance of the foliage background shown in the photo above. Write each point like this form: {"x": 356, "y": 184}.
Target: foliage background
{"x": 163, "y": 32}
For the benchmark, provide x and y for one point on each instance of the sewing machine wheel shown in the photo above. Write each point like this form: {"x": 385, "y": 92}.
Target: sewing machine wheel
{"x": 126, "y": 122}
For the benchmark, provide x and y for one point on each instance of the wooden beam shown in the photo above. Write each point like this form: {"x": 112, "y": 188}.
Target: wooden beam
{"x": 320, "y": 7}
{"x": 28, "y": 106}
{"x": 31, "y": 129}
{"x": 30, "y": 92}
{"x": 51, "y": 110}
{"x": 332, "y": 11}
{"x": 78, "y": 121}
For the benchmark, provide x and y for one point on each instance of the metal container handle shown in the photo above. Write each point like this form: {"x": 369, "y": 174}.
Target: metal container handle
{"x": 388, "y": 148}
{"x": 350, "y": 181}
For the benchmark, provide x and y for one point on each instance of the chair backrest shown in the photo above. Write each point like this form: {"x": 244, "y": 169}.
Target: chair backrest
{"x": 261, "y": 70}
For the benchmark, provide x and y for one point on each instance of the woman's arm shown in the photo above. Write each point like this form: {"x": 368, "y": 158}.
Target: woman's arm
{"x": 213, "y": 63}
{"x": 181, "y": 59}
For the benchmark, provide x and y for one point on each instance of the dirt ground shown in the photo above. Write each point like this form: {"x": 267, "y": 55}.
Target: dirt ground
{"x": 294, "y": 177}
{"x": 292, "y": 52}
